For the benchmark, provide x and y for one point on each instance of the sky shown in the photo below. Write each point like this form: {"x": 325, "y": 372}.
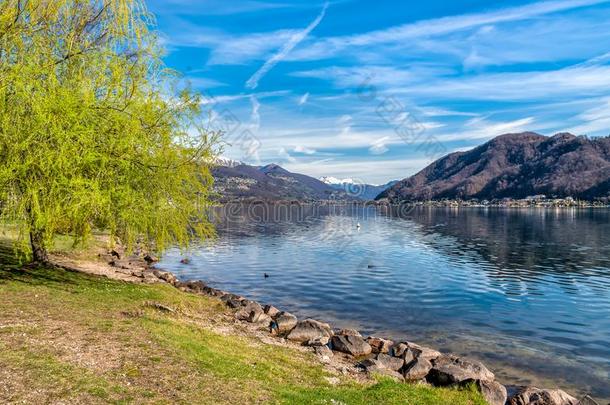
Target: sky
{"x": 375, "y": 91}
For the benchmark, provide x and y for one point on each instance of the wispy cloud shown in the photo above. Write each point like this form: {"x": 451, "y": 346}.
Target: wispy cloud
{"x": 303, "y": 99}
{"x": 438, "y": 26}
{"x": 255, "y": 118}
{"x": 304, "y": 150}
{"x": 482, "y": 129}
{"x": 214, "y": 7}
{"x": 227, "y": 98}
{"x": 294, "y": 40}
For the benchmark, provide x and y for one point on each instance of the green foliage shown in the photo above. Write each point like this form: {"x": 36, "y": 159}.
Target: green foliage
{"x": 93, "y": 132}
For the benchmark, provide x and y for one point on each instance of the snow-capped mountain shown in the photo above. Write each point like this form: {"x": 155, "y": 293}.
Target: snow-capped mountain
{"x": 333, "y": 180}
{"x": 227, "y": 162}
{"x": 357, "y": 188}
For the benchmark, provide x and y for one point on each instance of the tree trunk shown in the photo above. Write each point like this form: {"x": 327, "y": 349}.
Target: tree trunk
{"x": 39, "y": 250}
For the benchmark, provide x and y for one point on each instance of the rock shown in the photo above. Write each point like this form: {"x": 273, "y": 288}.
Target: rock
{"x": 403, "y": 351}
{"x": 587, "y": 400}
{"x": 121, "y": 264}
{"x": 409, "y": 349}
{"x": 417, "y": 369}
{"x": 354, "y": 345}
{"x": 379, "y": 345}
{"x": 389, "y": 362}
{"x": 160, "y": 307}
{"x": 192, "y": 286}
{"x": 284, "y": 323}
{"x": 232, "y": 303}
{"x": 213, "y": 292}
{"x": 493, "y": 392}
{"x": 349, "y": 332}
{"x": 449, "y": 370}
{"x": 245, "y": 303}
{"x": 150, "y": 259}
{"x": 228, "y": 297}
{"x": 324, "y": 353}
{"x": 319, "y": 341}
{"x": 376, "y": 369}
{"x": 271, "y": 311}
{"x": 309, "y": 329}
{"x": 185, "y": 260}
{"x": 537, "y": 396}
{"x": 251, "y": 312}
{"x": 260, "y": 318}
{"x": 166, "y": 276}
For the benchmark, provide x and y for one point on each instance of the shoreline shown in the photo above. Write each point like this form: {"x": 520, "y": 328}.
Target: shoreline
{"x": 356, "y": 354}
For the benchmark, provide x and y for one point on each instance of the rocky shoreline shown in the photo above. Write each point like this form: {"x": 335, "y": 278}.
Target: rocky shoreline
{"x": 403, "y": 361}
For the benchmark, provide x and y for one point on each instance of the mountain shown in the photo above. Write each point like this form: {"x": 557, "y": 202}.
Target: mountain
{"x": 515, "y": 166}
{"x": 335, "y": 181}
{"x": 357, "y": 189}
{"x": 270, "y": 182}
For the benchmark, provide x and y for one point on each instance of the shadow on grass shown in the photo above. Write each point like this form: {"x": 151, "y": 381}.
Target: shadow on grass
{"x": 11, "y": 269}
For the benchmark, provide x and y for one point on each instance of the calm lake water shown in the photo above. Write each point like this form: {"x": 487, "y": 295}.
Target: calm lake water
{"x": 527, "y": 291}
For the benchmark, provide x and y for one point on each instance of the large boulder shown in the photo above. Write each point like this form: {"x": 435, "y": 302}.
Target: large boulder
{"x": 194, "y": 286}
{"x": 166, "y": 276}
{"x": 349, "y": 332}
{"x": 251, "y": 312}
{"x": 537, "y": 396}
{"x": 493, "y": 392}
{"x": 284, "y": 323}
{"x": 309, "y": 329}
{"x": 271, "y": 311}
{"x": 389, "y": 362}
{"x": 379, "y": 345}
{"x": 354, "y": 345}
{"x": 417, "y": 369}
{"x": 449, "y": 370}
{"x": 395, "y": 375}
{"x": 410, "y": 349}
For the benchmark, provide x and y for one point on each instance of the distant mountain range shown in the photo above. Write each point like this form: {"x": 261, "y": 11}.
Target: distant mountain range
{"x": 356, "y": 188}
{"x": 236, "y": 180}
{"x": 515, "y": 166}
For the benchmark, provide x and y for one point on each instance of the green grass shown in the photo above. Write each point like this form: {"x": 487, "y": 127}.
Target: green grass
{"x": 67, "y": 337}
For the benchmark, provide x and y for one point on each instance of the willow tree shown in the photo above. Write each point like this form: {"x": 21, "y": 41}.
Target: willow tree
{"x": 93, "y": 133}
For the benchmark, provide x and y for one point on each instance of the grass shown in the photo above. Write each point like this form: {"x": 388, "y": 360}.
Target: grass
{"x": 72, "y": 338}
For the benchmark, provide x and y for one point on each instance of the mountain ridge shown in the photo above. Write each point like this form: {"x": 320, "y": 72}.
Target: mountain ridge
{"x": 271, "y": 182}
{"x": 515, "y": 165}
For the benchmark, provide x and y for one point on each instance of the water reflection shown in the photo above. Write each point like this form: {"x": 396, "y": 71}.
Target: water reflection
{"x": 525, "y": 290}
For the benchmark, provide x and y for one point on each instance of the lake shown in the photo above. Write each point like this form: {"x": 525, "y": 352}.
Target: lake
{"x": 526, "y": 291}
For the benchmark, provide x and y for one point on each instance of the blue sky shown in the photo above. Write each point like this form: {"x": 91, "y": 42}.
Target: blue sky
{"x": 377, "y": 90}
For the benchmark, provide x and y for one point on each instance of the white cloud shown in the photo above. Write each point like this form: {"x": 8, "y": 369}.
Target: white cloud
{"x": 294, "y": 40}
{"x": 378, "y": 146}
{"x": 304, "y": 150}
{"x": 283, "y": 155}
{"x": 303, "y": 99}
{"x": 372, "y": 171}
{"x": 434, "y": 27}
{"x": 227, "y": 98}
{"x": 481, "y": 129}
{"x": 594, "y": 121}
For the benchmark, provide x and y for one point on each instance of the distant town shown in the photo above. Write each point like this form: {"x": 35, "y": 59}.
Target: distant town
{"x": 531, "y": 201}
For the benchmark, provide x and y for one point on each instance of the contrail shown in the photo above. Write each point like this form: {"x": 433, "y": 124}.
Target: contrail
{"x": 294, "y": 40}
